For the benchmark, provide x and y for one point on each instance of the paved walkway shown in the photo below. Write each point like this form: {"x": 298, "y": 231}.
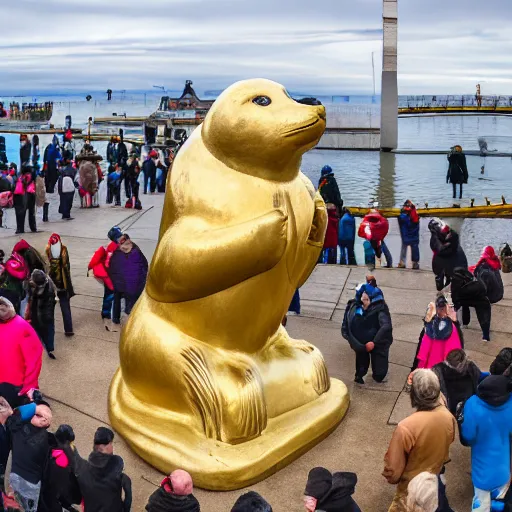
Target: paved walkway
{"x": 77, "y": 382}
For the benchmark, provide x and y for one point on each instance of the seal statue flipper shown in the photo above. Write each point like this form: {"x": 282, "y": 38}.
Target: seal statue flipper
{"x": 198, "y": 263}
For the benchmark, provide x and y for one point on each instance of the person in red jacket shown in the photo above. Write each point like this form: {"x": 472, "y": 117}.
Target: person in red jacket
{"x": 331, "y": 235}
{"x": 21, "y": 355}
{"x": 374, "y": 228}
{"x": 99, "y": 265}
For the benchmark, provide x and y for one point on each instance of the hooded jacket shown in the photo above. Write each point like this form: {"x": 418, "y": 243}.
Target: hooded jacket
{"x": 128, "y": 271}
{"x": 333, "y": 492}
{"x": 21, "y": 353}
{"x": 101, "y": 480}
{"x": 374, "y": 227}
{"x": 42, "y": 304}
{"x": 487, "y": 271}
{"x": 447, "y": 252}
{"x": 487, "y": 427}
{"x": 409, "y": 224}
{"x": 163, "y": 501}
{"x": 359, "y": 326}
{"x": 100, "y": 262}
{"x": 329, "y": 190}
{"x": 437, "y": 340}
{"x": 51, "y": 157}
{"x": 347, "y": 228}
{"x": 457, "y": 384}
{"x": 470, "y": 292}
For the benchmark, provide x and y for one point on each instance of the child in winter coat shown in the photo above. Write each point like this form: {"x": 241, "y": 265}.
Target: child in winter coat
{"x": 487, "y": 271}
{"x": 440, "y": 335}
{"x": 409, "y": 223}
{"x": 60, "y": 274}
{"x": 42, "y": 309}
{"x": 331, "y": 235}
{"x": 99, "y": 264}
{"x": 374, "y": 229}
{"x": 346, "y": 238}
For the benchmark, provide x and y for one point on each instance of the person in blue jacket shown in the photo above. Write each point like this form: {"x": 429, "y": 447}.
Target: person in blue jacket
{"x": 346, "y": 238}
{"x": 409, "y": 223}
{"x": 486, "y": 425}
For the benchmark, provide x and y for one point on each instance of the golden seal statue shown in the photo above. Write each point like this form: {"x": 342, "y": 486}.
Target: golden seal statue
{"x": 209, "y": 380}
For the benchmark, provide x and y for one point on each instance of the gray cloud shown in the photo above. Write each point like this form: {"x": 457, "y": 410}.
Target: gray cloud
{"x": 321, "y": 47}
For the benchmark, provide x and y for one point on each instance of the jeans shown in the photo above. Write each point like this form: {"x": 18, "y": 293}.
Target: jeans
{"x": 329, "y": 255}
{"x": 295, "y": 303}
{"x": 483, "y": 500}
{"x": 455, "y": 190}
{"x": 66, "y": 203}
{"x": 347, "y": 254}
{"x": 415, "y": 253}
{"x": 151, "y": 179}
{"x": 46, "y": 334}
{"x": 379, "y": 359}
{"x": 129, "y": 302}
{"x": 108, "y": 300}
{"x": 387, "y": 254}
{"x": 65, "y": 308}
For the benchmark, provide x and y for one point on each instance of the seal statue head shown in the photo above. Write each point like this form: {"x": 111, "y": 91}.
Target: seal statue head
{"x": 256, "y": 128}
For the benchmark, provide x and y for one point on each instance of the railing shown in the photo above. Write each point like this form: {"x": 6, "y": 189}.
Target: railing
{"x": 450, "y": 101}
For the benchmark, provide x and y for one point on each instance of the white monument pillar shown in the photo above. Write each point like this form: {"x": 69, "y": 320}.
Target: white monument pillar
{"x": 389, "y": 94}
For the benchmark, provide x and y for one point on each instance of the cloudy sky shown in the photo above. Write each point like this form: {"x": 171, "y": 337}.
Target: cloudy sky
{"x": 316, "y": 46}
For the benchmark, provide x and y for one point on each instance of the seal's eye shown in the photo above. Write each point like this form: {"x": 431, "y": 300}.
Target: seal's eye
{"x": 262, "y": 101}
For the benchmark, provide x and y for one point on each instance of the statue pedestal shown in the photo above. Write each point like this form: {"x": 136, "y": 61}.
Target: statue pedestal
{"x": 219, "y": 466}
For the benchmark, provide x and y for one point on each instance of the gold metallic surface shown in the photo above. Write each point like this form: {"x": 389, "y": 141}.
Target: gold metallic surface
{"x": 209, "y": 380}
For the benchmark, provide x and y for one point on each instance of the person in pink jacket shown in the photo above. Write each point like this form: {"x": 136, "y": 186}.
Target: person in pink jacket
{"x": 440, "y": 336}
{"x": 21, "y": 354}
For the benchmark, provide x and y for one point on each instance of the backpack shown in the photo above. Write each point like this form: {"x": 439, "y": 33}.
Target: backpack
{"x": 492, "y": 282}
{"x": 506, "y": 259}
{"x": 6, "y": 199}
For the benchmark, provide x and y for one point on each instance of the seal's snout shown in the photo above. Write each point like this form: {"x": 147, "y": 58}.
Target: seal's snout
{"x": 321, "y": 114}
{"x": 309, "y": 101}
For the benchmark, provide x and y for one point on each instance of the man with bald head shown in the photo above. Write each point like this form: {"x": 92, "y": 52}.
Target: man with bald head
{"x": 174, "y": 494}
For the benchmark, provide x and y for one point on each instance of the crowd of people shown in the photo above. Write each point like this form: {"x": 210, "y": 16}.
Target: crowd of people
{"x": 66, "y": 172}
{"x": 451, "y": 395}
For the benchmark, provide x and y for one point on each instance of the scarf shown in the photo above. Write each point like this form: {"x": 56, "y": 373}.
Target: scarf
{"x": 439, "y": 328}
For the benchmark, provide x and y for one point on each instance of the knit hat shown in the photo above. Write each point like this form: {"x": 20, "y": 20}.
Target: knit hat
{"x": 319, "y": 483}
{"x": 115, "y": 234}
{"x": 39, "y": 277}
{"x": 54, "y": 239}
{"x": 153, "y": 154}
{"x": 65, "y": 434}
{"x": 251, "y": 502}
{"x": 326, "y": 169}
{"x": 103, "y": 436}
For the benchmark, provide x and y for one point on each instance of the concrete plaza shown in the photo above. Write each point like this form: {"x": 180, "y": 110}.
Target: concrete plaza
{"x": 77, "y": 381}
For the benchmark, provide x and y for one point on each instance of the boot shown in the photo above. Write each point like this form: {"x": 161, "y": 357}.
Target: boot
{"x": 46, "y": 207}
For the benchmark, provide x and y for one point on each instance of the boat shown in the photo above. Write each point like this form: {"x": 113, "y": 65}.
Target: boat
{"x": 28, "y": 114}
{"x": 503, "y": 211}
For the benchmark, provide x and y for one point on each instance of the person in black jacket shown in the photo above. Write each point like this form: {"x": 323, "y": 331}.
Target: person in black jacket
{"x": 487, "y": 270}
{"x": 467, "y": 291}
{"x": 459, "y": 378}
{"x": 457, "y": 170}
{"x": 29, "y": 441}
{"x": 66, "y": 186}
{"x": 101, "y": 478}
{"x": 447, "y": 252}
{"x": 367, "y": 327}
{"x": 328, "y": 188}
{"x": 174, "y": 494}
{"x": 25, "y": 151}
{"x": 251, "y": 502}
{"x": 330, "y": 492}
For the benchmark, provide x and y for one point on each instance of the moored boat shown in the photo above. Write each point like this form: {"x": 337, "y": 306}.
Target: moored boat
{"x": 26, "y": 113}
{"x": 503, "y": 211}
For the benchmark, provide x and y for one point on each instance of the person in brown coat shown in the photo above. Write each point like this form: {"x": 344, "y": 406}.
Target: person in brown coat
{"x": 421, "y": 442}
